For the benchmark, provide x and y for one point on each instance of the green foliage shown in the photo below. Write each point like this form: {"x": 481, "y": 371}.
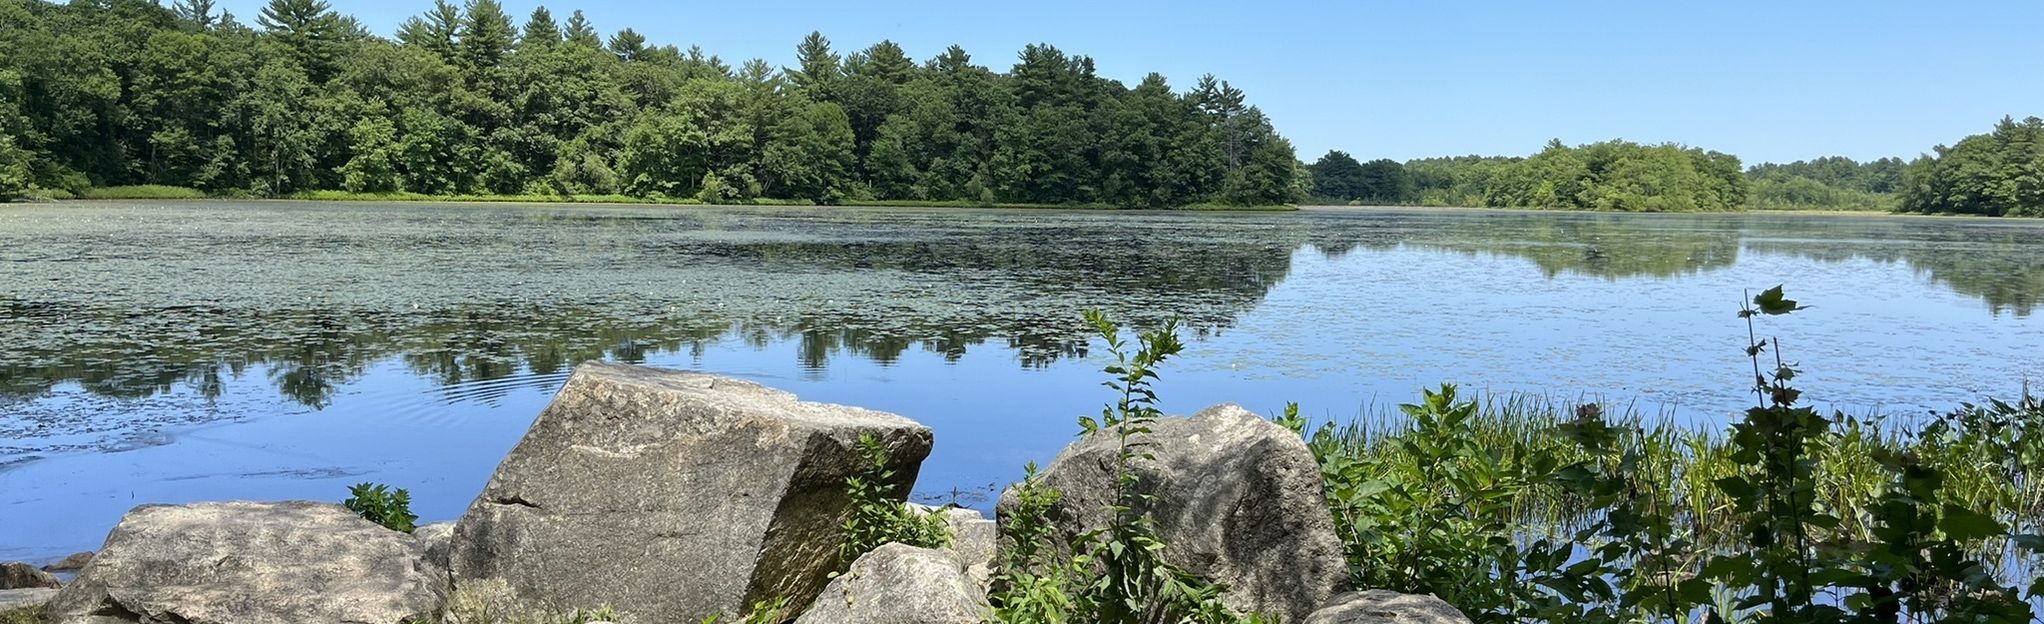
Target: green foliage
{"x": 763, "y": 612}
{"x": 32, "y": 615}
{"x": 463, "y": 102}
{"x": 1114, "y": 574}
{"x": 879, "y": 513}
{"x": 376, "y": 503}
{"x": 2000, "y": 173}
{"x": 1338, "y": 178}
{"x": 1791, "y": 516}
{"x": 1621, "y": 176}
{"x": 144, "y": 191}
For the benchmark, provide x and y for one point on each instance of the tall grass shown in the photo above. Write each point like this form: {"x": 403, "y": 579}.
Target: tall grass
{"x": 1993, "y": 456}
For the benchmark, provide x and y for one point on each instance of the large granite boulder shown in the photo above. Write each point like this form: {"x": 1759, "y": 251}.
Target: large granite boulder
{"x": 18, "y": 575}
{"x": 1238, "y": 501}
{"x": 897, "y": 584}
{"x": 671, "y": 496}
{"x": 249, "y": 563}
{"x": 1386, "y": 607}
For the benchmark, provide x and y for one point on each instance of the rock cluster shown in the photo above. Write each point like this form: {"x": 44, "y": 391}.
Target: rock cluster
{"x": 669, "y": 496}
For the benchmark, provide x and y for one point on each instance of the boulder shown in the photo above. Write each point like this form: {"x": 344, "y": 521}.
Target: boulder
{"x": 1238, "y": 501}
{"x": 72, "y": 563}
{"x": 17, "y": 599}
{"x": 973, "y": 541}
{"x": 18, "y": 575}
{"x": 897, "y": 584}
{"x": 249, "y": 563}
{"x": 672, "y": 496}
{"x": 435, "y": 542}
{"x": 1386, "y": 607}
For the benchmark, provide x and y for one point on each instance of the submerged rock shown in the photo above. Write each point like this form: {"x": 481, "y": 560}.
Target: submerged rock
{"x": 1386, "y": 607}
{"x": 1238, "y": 501}
{"x": 671, "y": 496}
{"x": 18, "y": 575}
{"x": 249, "y": 563}
{"x": 897, "y": 584}
{"x": 72, "y": 563}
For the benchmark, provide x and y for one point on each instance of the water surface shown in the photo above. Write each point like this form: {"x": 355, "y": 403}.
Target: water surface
{"x": 154, "y": 352}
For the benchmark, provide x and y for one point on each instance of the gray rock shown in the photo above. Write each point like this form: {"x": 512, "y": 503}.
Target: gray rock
{"x": 249, "y": 563}
{"x": 18, "y": 575}
{"x": 671, "y": 496}
{"x": 15, "y": 599}
{"x": 973, "y": 541}
{"x": 72, "y": 563}
{"x": 897, "y": 584}
{"x": 435, "y": 542}
{"x": 1238, "y": 501}
{"x": 1386, "y": 607}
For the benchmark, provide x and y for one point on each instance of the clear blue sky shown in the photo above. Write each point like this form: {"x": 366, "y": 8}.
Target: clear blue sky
{"x": 1765, "y": 80}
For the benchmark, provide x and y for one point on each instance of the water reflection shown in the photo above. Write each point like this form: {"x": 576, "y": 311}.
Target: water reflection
{"x": 465, "y": 295}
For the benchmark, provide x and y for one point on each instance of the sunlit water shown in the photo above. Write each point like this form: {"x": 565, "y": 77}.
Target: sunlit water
{"x": 168, "y": 353}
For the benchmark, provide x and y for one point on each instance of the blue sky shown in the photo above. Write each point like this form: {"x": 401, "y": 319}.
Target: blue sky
{"x": 1765, "y": 80}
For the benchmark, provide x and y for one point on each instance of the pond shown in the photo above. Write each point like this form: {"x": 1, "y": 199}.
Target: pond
{"x": 171, "y": 352}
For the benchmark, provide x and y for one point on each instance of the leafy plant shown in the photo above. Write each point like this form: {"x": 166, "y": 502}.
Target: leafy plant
{"x": 1790, "y": 516}
{"x": 1114, "y": 574}
{"x": 763, "y": 612}
{"x": 376, "y": 503}
{"x": 879, "y": 514}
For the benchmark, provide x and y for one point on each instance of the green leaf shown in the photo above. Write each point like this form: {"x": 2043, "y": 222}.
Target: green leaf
{"x": 1965, "y": 525}
{"x": 1771, "y": 302}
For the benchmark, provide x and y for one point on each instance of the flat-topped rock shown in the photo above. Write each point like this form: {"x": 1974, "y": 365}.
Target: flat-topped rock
{"x": 250, "y": 563}
{"x": 16, "y": 599}
{"x": 898, "y": 584}
{"x": 671, "y": 496}
{"x": 1379, "y": 606}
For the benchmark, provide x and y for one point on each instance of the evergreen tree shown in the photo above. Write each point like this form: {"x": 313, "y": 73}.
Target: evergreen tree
{"x": 540, "y": 30}
{"x": 628, "y": 45}
{"x": 579, "y": 32}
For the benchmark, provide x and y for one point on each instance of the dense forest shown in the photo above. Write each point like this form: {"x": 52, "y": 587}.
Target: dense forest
{"x": 463, "y": 100}
{"x": 2000, "y": 173}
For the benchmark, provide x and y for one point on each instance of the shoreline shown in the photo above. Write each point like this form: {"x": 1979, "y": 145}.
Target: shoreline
{"x": 621, "y": 201}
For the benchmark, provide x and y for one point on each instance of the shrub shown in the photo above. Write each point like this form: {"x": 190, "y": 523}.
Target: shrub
{"x": 879, "y": 514}
{"x": 144, "y": 191}
{"x": 1116, "y": 574}
{"x": 376, "y": 503}
{"x": 1790, "y": 516}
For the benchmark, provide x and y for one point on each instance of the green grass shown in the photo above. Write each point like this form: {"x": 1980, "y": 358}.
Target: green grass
{"x": 144, "y": 191}
{"x": 32, "y": 615}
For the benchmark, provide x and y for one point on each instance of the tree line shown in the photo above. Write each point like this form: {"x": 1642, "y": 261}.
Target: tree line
{"x": 463, "y": 100}
{"x": 2000, "y": 173}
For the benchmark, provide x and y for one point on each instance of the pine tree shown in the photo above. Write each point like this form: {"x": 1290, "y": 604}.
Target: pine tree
{"x": 579, "y": 32}
{"x": 628, "y": 44}
{"x": 435, "y": 31}
{"x": 486, "y": 35}
{"x": 819, "y": 66}
{"x": 540, "y": 30}
{"x": 197, "y": 13}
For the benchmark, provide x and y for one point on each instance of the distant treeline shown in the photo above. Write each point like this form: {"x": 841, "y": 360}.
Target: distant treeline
{"x": 97, "y": 93}
{"x": 1999, "y": 174}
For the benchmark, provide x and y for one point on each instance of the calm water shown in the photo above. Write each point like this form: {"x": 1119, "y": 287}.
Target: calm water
{"x": 166, "y": 353}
